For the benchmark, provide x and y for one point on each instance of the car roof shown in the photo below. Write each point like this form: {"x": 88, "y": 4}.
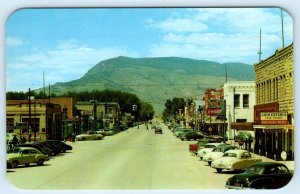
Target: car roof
{"x": 268, "y": 164}
{"x": 215, "y": 143}
{"x": 236, "y": 151}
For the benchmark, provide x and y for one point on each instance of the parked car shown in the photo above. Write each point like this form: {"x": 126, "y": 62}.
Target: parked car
{"x": 63, "y": 146}
{"x": 192, "y": 135}
{"x": 195, "y": 147}
{"x": 55, "y": 148}
{"x": 207, "y": 148}
{"x": 42, "y": 149}
{"x": 218, "y": 152}
{"x": 89, "y": 135}
{"x": 180, "y": 131}
{"x": 108, "y": 131}
{"x": 262, "y": 175}
{"x": 25, "y": 156}
{"x": 235, "y": 160}
{"x": 158, "y": 130}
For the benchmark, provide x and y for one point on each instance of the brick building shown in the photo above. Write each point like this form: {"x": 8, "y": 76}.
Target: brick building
{"x": 274, "y": 109}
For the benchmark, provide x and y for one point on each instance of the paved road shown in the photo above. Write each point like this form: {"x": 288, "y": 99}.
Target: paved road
{"x": 134, "y": 159}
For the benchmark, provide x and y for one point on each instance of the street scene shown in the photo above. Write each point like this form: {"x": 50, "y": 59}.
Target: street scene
{"x": 134, "y": 159}
{"x": 166, "y": 99}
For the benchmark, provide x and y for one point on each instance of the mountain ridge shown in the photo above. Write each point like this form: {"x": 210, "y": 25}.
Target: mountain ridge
{"x": 157, "y": 79}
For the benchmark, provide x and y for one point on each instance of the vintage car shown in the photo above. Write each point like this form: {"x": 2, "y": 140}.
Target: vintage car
{"x": 63, "y": 146}
{"x": 195, "y": 147}
{"x": 25, "y": 156}
{"x": 89, "y": 135}
{"x": 218, "y": 152}
{"x": 108, "y": 131}
{"x": 44, "y": 150}
{"x": 262, "y": 175}
{"x": 192, "y": 135}
{"x": 207, "y": 148}
{"x": 236, "y": 160}
{"x": 158, "y": 130}
{"x": 180, "y": 131}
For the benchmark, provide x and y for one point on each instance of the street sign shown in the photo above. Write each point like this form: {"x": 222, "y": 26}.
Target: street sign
{"x": 283, "y": 155}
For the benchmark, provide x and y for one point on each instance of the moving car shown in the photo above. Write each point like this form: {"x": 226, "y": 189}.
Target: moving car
{"x": 158, "y": 130}
{"x": 89, "y": 135}
{"x": 235, "y": 160}
{"x": 207, "y": 148}
{"x": 218, "y": 152}
{"x": 192, "y": 135}
{"x": 25, "y": 156}
{"x": 262, "y": 175}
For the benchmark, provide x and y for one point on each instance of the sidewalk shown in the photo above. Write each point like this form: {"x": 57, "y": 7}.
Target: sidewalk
{"x": 289, "y": 164}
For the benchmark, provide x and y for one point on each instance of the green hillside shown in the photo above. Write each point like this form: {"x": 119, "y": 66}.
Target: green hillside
{"x": 156, "y": 79}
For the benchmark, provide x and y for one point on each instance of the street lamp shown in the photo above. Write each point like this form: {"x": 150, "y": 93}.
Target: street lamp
{"x": 94, "y": 102}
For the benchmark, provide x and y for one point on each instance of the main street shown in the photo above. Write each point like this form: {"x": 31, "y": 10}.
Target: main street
{"x": 133, "y": 159}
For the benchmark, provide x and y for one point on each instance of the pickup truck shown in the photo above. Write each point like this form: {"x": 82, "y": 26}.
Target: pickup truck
{"x": 193, "y": 148}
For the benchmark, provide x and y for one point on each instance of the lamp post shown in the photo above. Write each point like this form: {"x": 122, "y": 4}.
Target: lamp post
{"x": 94, "y": 103}
{"x": 34, "y": 128}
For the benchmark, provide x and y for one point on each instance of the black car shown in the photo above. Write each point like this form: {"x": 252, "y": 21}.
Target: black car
{"x": 192, "y": 135}
{"x": 55, "y": 148}
{"x": 42, "y": 149}
{"x": 158, "y": 130}
{"x": 63, "y": 146}
{"x": 262, "y": 175}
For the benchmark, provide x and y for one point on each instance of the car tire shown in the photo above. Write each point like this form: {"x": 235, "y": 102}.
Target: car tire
{"x": 83, "y": 139}
{"x": 27, "y": 164}
{"x": 209, "y": 163}
{"x": 14, "y": 164}
{"x": 40, "y": 162}
{"x": 219, "y": 170}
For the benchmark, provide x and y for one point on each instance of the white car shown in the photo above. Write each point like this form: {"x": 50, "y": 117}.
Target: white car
{"x": 218, "y": 152}
{"x": 207, "y": 148}
{"x": 235, "y": 160}
{"x": 89, "y": 135}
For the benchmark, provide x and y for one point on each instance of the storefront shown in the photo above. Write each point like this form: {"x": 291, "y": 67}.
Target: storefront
{"x": 271, "y": 140}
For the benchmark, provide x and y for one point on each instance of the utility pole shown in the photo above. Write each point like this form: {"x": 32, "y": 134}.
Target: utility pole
{"x": 259, "y": 52}
{"x": 29, "y": 113}
{"x": 282, "y": 31}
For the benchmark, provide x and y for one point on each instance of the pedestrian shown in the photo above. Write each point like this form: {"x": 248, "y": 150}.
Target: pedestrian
{"x": 73, "y": 137}
{"x": 15, "y": 140}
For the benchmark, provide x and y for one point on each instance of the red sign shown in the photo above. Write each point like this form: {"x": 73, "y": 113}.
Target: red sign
{"x": 274, "y": 122}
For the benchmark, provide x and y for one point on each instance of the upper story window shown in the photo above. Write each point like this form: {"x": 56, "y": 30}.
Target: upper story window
{"x": 236, "y": 101}
{"x": 245, "y": 100}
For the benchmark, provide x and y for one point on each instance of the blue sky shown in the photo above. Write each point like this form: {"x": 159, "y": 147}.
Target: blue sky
{"x": 66, "y": 43}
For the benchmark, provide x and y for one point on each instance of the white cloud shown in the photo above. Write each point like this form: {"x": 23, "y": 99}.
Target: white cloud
{"x": 229, "y": 34}
{"x": 13, "y": 41}
{"x": 65, "y": 63}
{"x": 180, "y": 25}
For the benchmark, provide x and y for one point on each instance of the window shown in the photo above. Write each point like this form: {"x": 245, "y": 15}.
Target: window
{"x": 236, "y": 100}
{"x": 245, "y": 100}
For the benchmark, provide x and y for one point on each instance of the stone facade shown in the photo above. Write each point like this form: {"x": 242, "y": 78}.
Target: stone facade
{"x": 274, "y": 79}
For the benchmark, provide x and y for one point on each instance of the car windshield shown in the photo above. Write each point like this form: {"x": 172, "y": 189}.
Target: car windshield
{"x": 209, "y": 146}
{"x": 230, "y": 155}
{"x": 255, "y": 169}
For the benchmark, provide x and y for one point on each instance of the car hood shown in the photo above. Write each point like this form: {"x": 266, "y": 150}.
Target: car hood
{"x": 225, "y": 160}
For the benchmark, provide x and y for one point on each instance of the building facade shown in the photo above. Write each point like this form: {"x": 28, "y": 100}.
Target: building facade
{"x": 99, "y": 114}
{"x": 34, "y": 120}
{"x": 274, "y": 110}
{"x": 240, "y": 101}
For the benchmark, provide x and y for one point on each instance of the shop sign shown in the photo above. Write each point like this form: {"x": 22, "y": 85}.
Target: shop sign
{"x": 273, "y": 118}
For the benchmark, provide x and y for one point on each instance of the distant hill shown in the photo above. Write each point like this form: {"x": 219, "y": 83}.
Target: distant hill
{"x": 156, "y": 79}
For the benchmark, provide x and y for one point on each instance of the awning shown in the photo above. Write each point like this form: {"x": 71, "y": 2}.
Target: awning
{"x": 273, "y": 127}
{"x": 242, "y": 126}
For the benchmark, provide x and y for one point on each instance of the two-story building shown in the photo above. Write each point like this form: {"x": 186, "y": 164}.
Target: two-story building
{"x": 240, "y": 101}
{"x": 274, "y": 109}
